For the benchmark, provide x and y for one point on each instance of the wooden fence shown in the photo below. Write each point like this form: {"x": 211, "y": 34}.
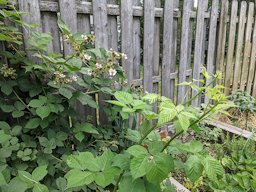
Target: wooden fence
{"x": 165, "y": 44}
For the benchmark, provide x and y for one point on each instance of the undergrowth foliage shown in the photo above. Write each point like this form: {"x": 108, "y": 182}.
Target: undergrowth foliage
{"x": 47, "y": 146}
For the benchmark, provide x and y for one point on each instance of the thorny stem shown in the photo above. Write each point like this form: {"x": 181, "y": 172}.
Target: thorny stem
{"x": 147, "y": 133}
{"x": 210, "y": 83}
{"x": 192, "y": 124}
{"x": 118, "y": 181}
{"x": 18, "y": 97}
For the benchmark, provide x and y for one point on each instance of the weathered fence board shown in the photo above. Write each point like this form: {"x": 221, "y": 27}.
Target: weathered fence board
{"x": 68, "y": 14}
{"x": 127, "y": 37}
{"x": 167, "y": 61}
{"x": 247, "y": 47}
{"x": 199, "y": 52}
{"x": 231, "y": 47}
{"x": 222, "y": 36}
{"x": 252, "y": 74}
{"x": 239, "y": 48}
{"x": 148, "y": 45}
{"x": 184, "y": 50}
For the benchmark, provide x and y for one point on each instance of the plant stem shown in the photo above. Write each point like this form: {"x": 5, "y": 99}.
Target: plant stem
{"x": 118, "y": 181}
{"x": 147, "y": 133}
{"x": 195, "y": 122}
{"x": 210, "y": 83}
{"x": 18, "y": 97}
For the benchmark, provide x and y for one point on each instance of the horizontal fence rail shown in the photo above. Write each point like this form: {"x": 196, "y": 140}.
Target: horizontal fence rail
{"x": 167, "y": 42}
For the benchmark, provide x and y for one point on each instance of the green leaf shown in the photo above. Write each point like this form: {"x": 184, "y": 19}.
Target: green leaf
{"x": 78, "y": 178}
{"x": 2, "y": 179}
{"x": 86, "y": 127}
{"x": 139, "y": 165}
{"x": 63, "y": 27}
{"x": 193, "y": 168}
{"x": 166, "y": 115}
{"x": 127, "y": 184}
{"x": 4, "y": 126}
{"x": 151, "y": 97}
{"x": 137, "y": 150}
{"x": 43, "y": 112}
{"x": 133, "y": 135}
{"x": 79, "y": 136}
{"x": 213, "y": 168}
{"x": 159, "y": 167}
{"x": 35, "y": 103}
{"x": 61, "y": 184}
{"x": 4, "y": 137}
{"x": 40, "y": 188}
{"x": 87, "y": 100}
{"x": 106, "y": 177}
{"x": 117, "y": 103}
{"x": 17, "y": 114}
{"x": 191, "y": 147}
{"x": 122, "y": 161}
{"x": 65, "y": 92}
{"x": 33, "y": 123}
{"x": 39, "y": 173}
{"x": 184, "y": 121}
{"x": 123, "y": 97}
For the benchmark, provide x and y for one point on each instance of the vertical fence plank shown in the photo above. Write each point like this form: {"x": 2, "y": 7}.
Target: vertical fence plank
{"x": 100, "y": 20}
{"x": 69, "y": 16}
{"x": 127, "y": 36}
{"x": 33, "y": 17}
{"x": 212, "y": 40}
{"x": 251, "y": 88}
{"x": 240, "y": 40}
{"x": 222, "y": 36}
{"x": 112, "y": 30}
{"x": 156, "y": 53}
{"x": 198, "y": 62}
{"x": 174, "y": 48}
{"x": 136, "y": 44}
{"x": 184, "y": 49}
{"x": 149, "y": 20}
{"x": 167, "y": 61}
{"x": 83, "y": 22}
{"x": 49, "y": 24}
{"x": 231, "y": 46}
{"x": 247, "y": 47}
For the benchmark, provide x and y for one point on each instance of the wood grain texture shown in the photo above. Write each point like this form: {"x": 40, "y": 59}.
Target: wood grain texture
{"x": 184, "y": 49}
{"x": 100, "y": 20}
{"x": 156, "y": 55}
{"x": 49, "y": 25}
{"x": 198, "y": 61}
{"x": 252, "y": 71}
{"x": 33, "y": 17}
{"x": 127, "y": 37}
{"x": 167, "y": 61}
{"x": 240, "y": 44}
{"x": 68, "y": 14}
{"x": 136, "y": 44}
{"x": 231, "y": 47}
{"x": 247, "y": 47}
{"x": 148, "y": 45}
{"x": 211, "y": 54}
{"x": 112, "y": 29}
{"x": 220, "y": 65}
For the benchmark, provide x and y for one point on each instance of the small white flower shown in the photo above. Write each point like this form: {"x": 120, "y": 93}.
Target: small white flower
{"x": 111, "y": 49}
{"x": 85, "y": 37}
{"x": 98, "y": 65}
{"x": 74, "y": 78}
{"x": 112, "y": 72}
{"x": 62, "y": 75}
{"x": 66, "y": 38}
{"x": 87, "y": 57}
{"x": 89, "y": 72}
{"x": 124, "y": 56}
{"x": 125, "y": 81}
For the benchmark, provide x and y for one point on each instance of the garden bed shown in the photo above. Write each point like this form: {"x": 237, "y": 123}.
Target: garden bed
{"x": 226, "y": 143}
